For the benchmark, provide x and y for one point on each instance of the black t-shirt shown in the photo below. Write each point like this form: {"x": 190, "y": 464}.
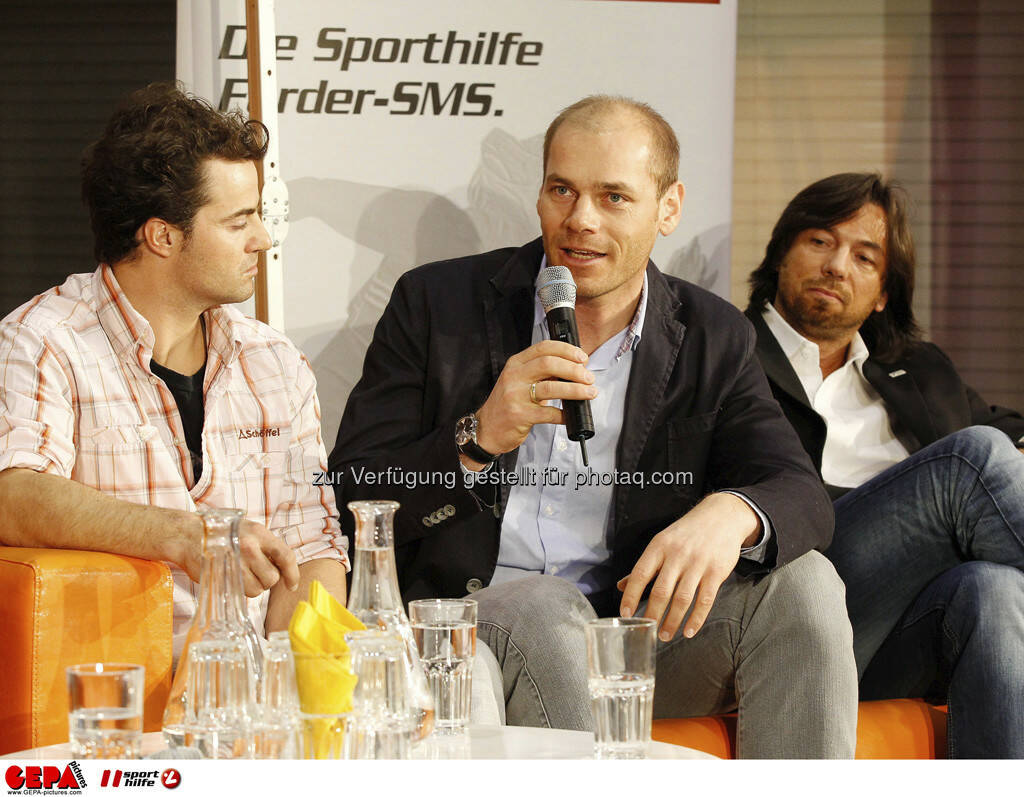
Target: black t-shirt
{"x": 188, "y": 395}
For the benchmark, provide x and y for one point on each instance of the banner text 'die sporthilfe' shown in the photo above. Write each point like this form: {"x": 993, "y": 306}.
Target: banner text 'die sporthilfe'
{"x": 406, "y": 97}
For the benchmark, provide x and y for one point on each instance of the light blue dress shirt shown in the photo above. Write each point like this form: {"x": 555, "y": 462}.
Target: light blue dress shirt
{"x": 559, "y": 516}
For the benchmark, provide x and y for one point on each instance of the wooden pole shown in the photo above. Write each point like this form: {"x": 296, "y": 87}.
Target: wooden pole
{"x": 252, "y": 40}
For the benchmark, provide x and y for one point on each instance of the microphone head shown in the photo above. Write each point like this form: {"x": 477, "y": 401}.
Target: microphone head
{"x": 557, "y": 288}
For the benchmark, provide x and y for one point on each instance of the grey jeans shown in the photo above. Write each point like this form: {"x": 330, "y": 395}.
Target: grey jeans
{"x": 779, "y": 649}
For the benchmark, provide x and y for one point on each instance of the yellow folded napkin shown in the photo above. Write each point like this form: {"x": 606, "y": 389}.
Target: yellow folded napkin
{"x": 323, "y": 667}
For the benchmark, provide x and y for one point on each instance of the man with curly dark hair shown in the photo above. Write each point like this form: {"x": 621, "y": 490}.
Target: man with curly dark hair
{"x": 134, "y": 395}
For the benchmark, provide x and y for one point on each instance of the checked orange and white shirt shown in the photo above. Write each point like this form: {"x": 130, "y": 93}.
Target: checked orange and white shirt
{"x": 78, "y": 399}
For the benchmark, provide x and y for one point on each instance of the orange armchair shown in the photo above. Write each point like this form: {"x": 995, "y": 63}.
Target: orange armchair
{"x": 885, "y": 729}
{"x": 64, "y": 607}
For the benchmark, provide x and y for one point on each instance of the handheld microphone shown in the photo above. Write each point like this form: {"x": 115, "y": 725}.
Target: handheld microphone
{"x": 557, "y": 294}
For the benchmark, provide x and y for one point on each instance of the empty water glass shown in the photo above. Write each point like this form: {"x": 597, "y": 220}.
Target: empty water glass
{"x": 444, "y": 747}
{"x": 445, "y": 634}
{"x": 620, "y": 664}
{"x": 276, "y": 720}
{"x": 384, "y": 715}
{"x": 218, "y": 709}
{"x": 105, "y": 710}
{"x": 321, "y": 735}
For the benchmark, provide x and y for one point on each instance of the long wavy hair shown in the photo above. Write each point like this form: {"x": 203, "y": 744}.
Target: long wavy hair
{"x": 829, "y": 202}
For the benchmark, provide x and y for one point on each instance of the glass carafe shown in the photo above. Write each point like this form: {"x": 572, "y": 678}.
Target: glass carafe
{"x": 376, "y": 600}
{"x": 220, "y": 615}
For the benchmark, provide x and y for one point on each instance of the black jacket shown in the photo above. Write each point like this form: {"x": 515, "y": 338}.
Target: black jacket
{"x": 924, "y": 395}
{"x": 697, "y": 401}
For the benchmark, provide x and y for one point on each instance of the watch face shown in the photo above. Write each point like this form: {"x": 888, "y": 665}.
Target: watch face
{"x": 465, "y": 430}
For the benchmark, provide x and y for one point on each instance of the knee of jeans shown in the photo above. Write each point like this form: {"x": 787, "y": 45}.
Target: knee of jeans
{"x": 980, "y": 439}
{"x": 985, "y": 598}
{"x": 537, "y": 600}
{"x": 541, "y": 590}
{"x": 811, "y": 595}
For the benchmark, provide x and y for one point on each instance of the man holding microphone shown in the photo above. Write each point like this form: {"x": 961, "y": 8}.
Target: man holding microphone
{"x": 461, "y": 376}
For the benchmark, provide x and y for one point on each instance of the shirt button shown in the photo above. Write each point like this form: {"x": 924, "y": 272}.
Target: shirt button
{"x": 548, "y": 510}
{"x": 562, "y": 445}
{"x": 474, "y": 584}
{"x": 553, "y": 570}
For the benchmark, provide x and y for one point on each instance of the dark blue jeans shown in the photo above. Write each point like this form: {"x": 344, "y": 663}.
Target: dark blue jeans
{"x": 931, "y": 551}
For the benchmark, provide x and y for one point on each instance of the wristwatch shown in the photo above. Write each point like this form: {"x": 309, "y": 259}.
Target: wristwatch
{"x": 465, "y": 440}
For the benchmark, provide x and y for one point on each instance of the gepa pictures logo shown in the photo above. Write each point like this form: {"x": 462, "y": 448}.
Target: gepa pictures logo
{"x": 45, "y": 779}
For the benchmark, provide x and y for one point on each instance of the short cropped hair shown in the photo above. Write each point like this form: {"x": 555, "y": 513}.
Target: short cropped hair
{"x": 149, "y": 163}
{"x": 590, "y": 113}
{"x": 829, "y": 202}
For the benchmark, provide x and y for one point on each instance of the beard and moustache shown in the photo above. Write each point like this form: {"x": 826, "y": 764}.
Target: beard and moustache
{"x": 817, "y": 317}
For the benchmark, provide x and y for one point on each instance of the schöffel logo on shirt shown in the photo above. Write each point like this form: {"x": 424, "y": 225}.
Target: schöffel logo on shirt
{"x": 247, "y": 434}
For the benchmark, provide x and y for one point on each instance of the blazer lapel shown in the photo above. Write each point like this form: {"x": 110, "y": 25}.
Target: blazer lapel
{"x": 904, "y": 402}
{"x": 508, "y": 309}
{"x": 774, "y": 361}
{"x": 653, "y": 362}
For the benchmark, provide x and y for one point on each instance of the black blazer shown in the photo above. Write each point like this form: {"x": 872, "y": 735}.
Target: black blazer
{"x": 697, "y": 401}
{"x": 923, "y": 393}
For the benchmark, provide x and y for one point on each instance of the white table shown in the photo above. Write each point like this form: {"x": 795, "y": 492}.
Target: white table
{"x": 479, "y": 742}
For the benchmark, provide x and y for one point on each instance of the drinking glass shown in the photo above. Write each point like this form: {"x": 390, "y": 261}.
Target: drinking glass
{"x": 620, "y": 665}
{"x": 276, "y": 717}
{"x": 322, "y": 735}
{"x": 445, "y": 634}
{"x": 444, "y": 747}
{"x": 385, "y": 714}
{"x": 324, "y": 683}
{"x": 218, "y": 708}
{"x": 105, "y": 710}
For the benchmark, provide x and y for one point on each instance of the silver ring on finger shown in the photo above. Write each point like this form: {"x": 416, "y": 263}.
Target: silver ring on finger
{"x": 533, "y": 393}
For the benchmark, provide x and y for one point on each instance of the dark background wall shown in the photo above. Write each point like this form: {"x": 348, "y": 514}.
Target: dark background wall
{"x": 977, "y": 193}
{"x": 63, "y": 66}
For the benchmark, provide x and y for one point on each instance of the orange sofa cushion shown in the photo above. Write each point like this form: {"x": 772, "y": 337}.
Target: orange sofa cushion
{"x": 885, "y": 729}
{"x": 62, "y": 607}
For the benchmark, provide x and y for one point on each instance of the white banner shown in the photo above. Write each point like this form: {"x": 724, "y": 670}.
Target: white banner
{"x": 412, "y": 132}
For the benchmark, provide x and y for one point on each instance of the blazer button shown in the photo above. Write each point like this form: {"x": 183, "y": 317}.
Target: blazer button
{"x": 428, "y": 522}
{"x": 449, "y": 510}
{"x": 474, "y": 584}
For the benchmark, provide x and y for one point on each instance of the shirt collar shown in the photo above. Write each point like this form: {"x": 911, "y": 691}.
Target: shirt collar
{"x": 858, "y": 352}
{"x": 132, "y": 335}
{"x": 124, "y": 326}
{"x": 794, "y": 344}
{"x": 631, "y": 334}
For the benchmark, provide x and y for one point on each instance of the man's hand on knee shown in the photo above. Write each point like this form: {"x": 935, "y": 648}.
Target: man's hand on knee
{"x": 688, "y": 562}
